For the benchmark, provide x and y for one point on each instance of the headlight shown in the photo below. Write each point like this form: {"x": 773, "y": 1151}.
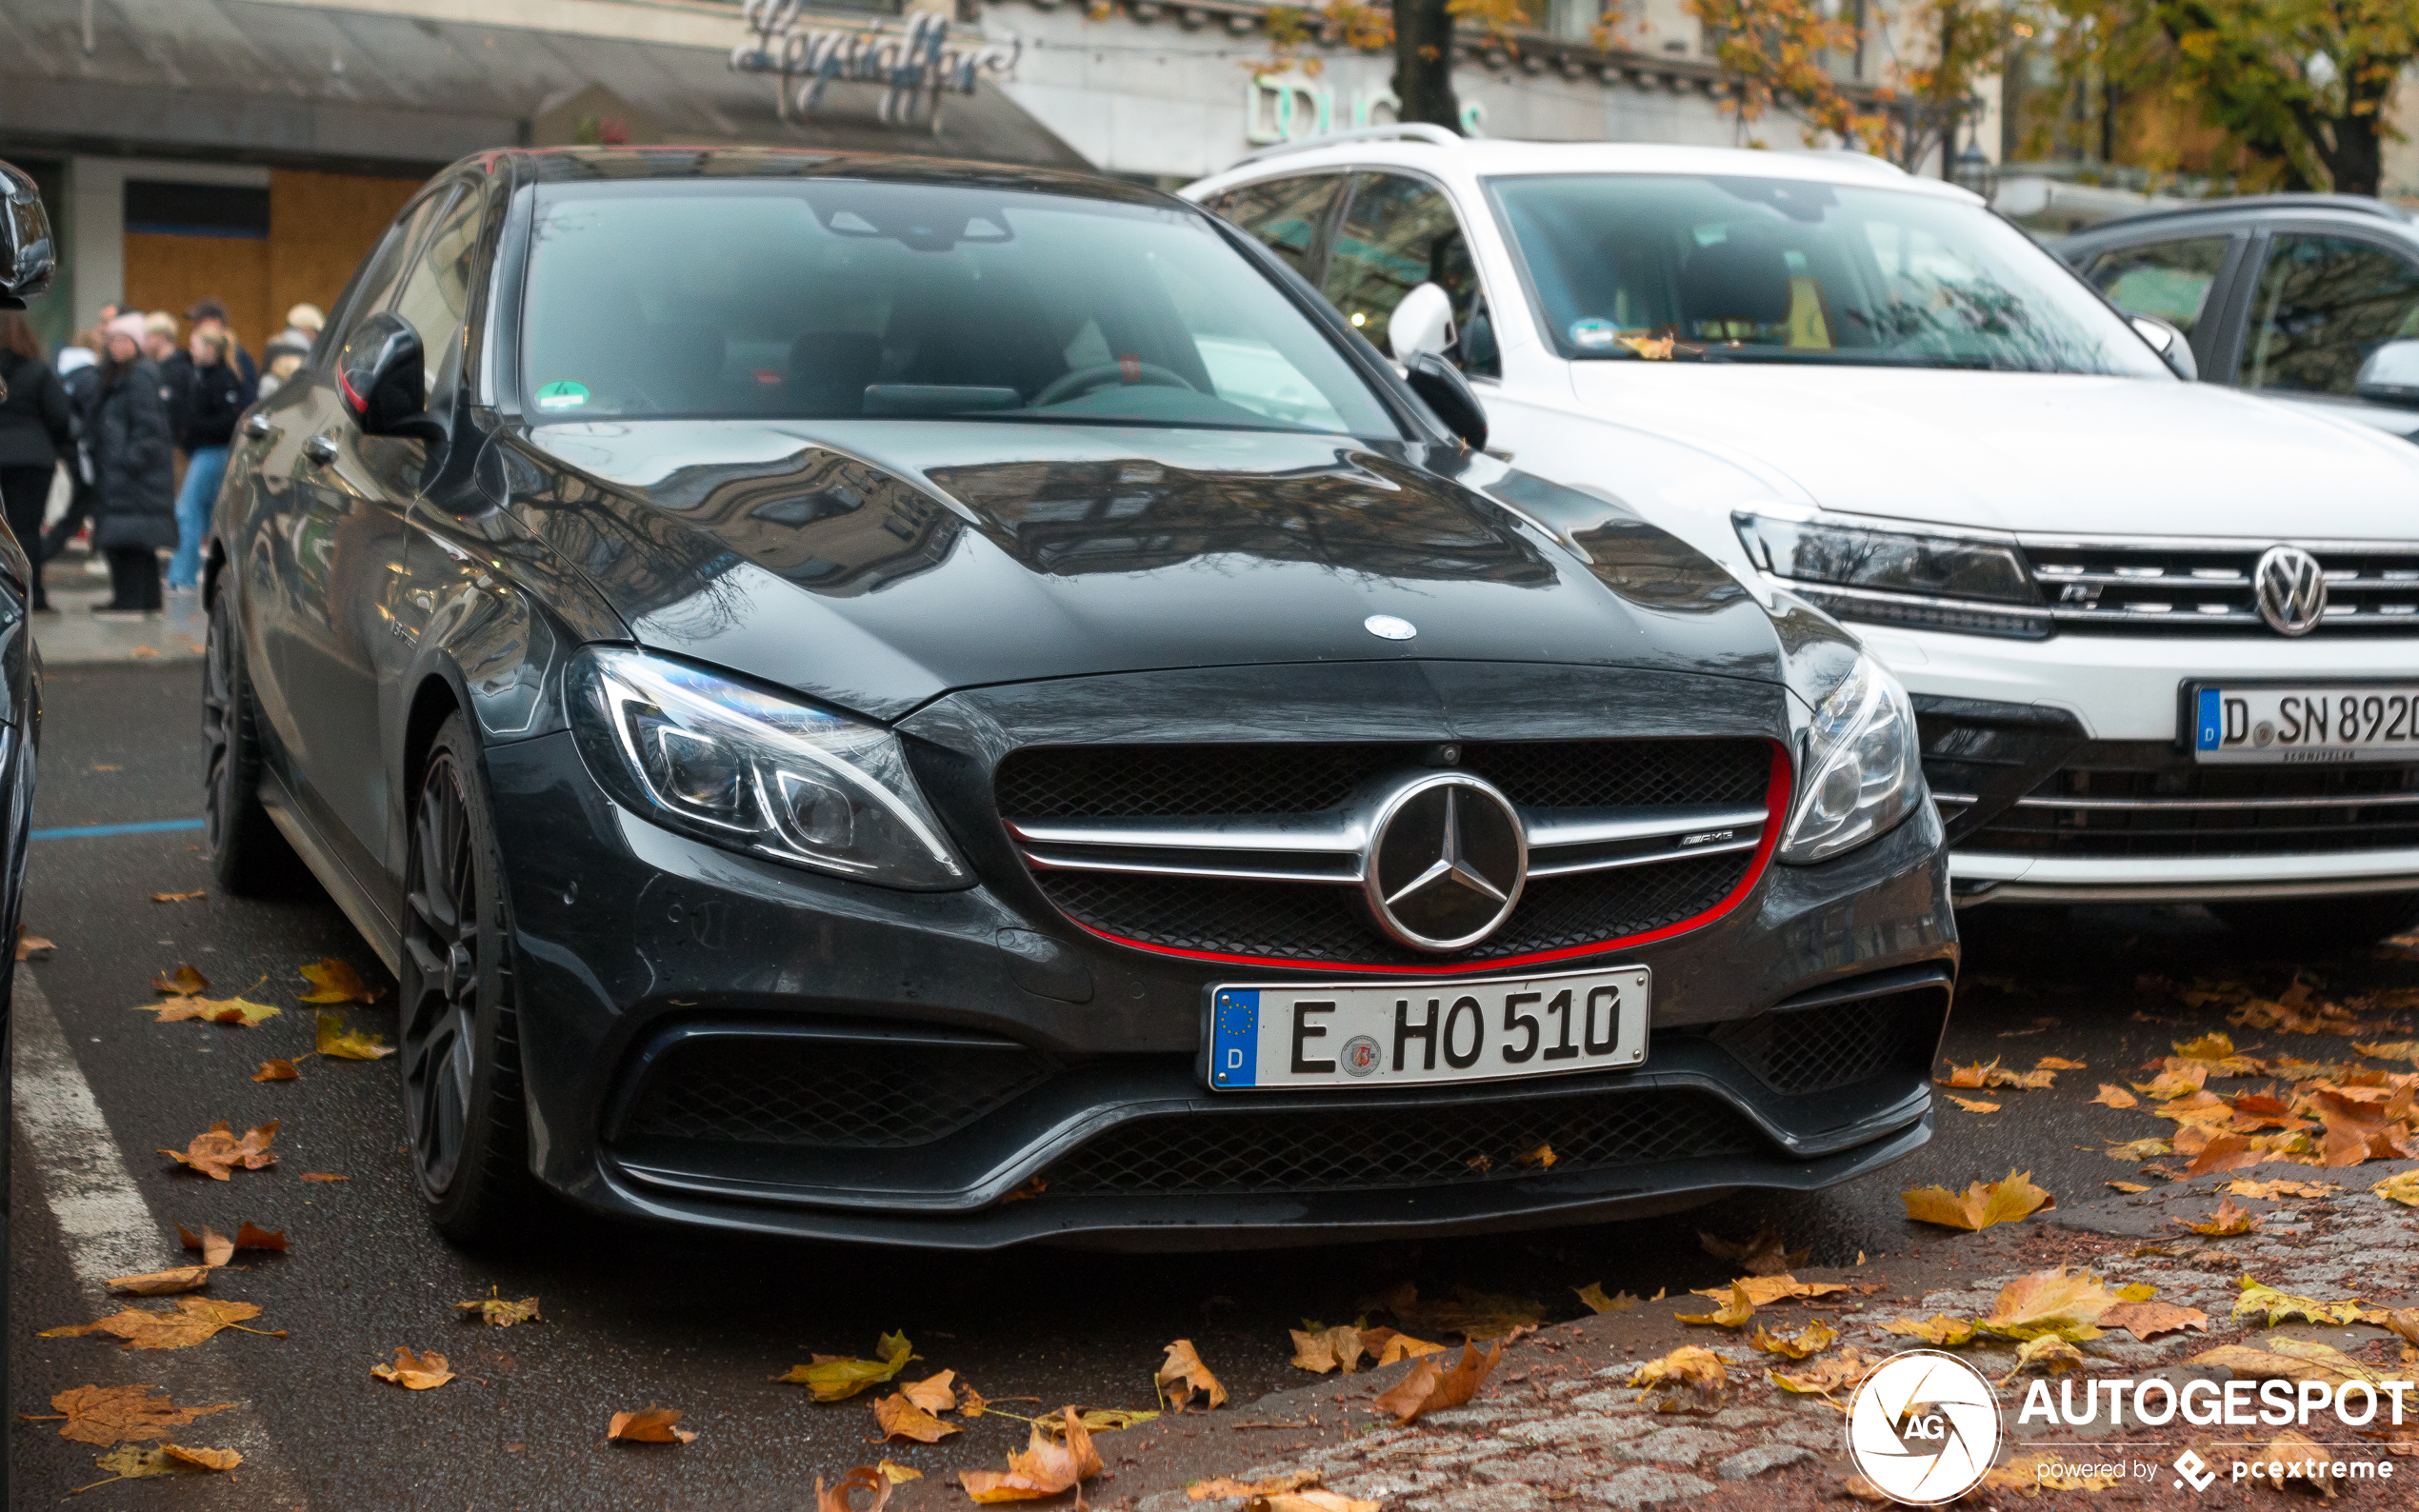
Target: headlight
{"x": 1863, "y": 774}
{"x": 756, "y": 773}
{"x": 1928, "y": 582}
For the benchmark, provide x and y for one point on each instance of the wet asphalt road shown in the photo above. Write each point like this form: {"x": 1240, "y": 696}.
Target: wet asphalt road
{"x": 702, "y": 1323}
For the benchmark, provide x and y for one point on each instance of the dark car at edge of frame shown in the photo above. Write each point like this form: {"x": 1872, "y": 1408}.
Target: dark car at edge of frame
{"x": 944, "y": 705}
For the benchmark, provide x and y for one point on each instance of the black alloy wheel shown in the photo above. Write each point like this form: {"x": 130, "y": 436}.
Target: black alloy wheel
{"x": 462, "y": 1106}
{"x": 247, "y": 854}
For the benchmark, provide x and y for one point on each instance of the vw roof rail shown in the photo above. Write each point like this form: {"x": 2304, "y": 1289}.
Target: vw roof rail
{"x": 1402, "y": 131}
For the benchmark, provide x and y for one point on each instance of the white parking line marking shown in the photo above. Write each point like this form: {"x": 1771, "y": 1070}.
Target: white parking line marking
{"x": 111, "y": 1231}
{"x": 109, "y": 1227}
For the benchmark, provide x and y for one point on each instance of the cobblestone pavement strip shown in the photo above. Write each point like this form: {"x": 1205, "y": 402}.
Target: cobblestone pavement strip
{"x": 1557, "y": 1424}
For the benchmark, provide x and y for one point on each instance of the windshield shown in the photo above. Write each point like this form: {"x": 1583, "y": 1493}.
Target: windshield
{"x": 1755, "y": 269}
{"x": 838, "y": 298}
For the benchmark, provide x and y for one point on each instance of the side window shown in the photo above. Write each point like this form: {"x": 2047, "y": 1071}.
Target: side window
{"x": 1284, "y": 215}
{"x": 437, "y": 296}
{"x": 2171, "y": 280}
{"x": 375, "y": 284}
{"x": 1398, "y": 234}
{"x": 2324, "y": 303}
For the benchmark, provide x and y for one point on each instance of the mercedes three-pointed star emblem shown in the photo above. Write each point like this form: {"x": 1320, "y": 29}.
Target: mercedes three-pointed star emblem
{"x": 1446, "y": 860}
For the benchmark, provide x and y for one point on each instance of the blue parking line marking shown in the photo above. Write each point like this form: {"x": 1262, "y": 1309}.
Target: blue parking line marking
{"x": 1234, "y": 1039}
{"x": 156, "y": 827}
{"x": 2211, "y": 732}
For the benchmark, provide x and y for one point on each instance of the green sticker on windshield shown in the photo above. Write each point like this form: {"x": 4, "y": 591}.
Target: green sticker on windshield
{"x": 561, "y": 395}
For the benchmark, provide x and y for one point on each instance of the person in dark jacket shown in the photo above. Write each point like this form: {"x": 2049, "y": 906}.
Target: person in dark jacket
{"x": 210, "y": 390}
{"x": 34, "y": 435}
{"x": 133, "y": 463}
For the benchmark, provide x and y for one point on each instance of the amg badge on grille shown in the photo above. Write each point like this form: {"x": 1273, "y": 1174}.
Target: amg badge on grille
{"x": 1447, "y": 859}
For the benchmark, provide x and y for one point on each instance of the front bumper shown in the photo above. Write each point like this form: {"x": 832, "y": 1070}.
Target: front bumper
{"x": 1063, "y": 1086}
{"x": 2063, "y": 776}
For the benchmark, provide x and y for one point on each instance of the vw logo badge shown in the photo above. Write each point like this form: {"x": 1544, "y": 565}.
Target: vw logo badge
{"x": 1447, "y": 859}
{"x": 1389, "y": 628}
{"x": 2291, "y": 589}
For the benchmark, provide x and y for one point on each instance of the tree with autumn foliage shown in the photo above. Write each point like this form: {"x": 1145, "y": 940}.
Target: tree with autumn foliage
{"x": 2301, "y": 88}
{"x": 1419, "y": 32}
{"x": 1779, "y": 55}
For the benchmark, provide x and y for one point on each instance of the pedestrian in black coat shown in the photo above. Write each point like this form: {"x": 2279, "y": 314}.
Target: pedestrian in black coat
{"x": 134, "y": 501}
{"x": 34, "y": 434}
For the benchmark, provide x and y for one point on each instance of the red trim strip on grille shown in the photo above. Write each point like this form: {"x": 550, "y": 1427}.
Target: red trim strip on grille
{"x": 1776, "y": 811}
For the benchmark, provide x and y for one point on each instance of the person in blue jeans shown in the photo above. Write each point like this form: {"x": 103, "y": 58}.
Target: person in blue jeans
{"x": 211, "y": 383}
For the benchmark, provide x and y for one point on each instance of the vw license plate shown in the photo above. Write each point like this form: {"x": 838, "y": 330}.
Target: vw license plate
{"x": 1353, "y": 1034}
{"x": 2371, "y": 722}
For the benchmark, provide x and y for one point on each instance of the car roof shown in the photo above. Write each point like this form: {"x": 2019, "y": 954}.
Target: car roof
{"x": 1504, "y": 156}
{"x": 2350, "y": 209}
{"x": 613, "y": 165}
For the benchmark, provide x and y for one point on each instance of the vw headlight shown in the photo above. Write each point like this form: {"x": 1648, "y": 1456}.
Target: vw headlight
{"x": 754, "y": 771}
{"x": 1863, "y": 774}
{"x": 1890, "y": 577}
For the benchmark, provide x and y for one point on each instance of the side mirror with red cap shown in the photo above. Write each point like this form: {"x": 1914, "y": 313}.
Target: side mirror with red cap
{"x": 383, "y": 377}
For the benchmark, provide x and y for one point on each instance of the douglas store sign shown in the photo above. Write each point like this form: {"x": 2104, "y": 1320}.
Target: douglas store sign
{"x": 1926, "y": 1428}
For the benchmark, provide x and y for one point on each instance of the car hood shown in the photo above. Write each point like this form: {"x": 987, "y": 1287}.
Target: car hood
{"x": 878, "y": 565}
{"x": 2035, "y": 453}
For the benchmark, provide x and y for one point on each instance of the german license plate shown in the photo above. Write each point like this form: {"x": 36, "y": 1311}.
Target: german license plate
{"x": 2373, "y": 722}
{"x": 1356, "y": 1034}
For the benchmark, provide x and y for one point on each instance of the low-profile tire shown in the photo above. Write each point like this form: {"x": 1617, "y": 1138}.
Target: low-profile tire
{"x": 461, "y": 1051}
{"x": 2348, "y": 922}
{"x": 247, "y": 854}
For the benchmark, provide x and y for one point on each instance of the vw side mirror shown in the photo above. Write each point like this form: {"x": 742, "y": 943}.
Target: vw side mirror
{"x": 1446, "y": 393}
{"x": 383, "y": 377}
{"x": 28, "y": 254}
{"x": 2390, "y": 376}
{"x": 2169, "y": 343}
{"x": 1422, "y": 322}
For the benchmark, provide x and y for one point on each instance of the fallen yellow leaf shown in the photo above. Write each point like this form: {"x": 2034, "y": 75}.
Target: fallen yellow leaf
{"x": 1593, "y": 1295}
{"x": 216, "y": 1151}
{"x": 163, "y": 1283}
{"x": 1948, "y": 1333}
{"x": 1687, "y": 1372}
{"x": 498, "y": 1312}
{"x": 2402, "y": 1186}
{"x": 104, "y": 1415}
{"x": 184, "y": 982}
{"x": 335, "y": 980}
{"x": 194, "y": 1319}
{"x": 418, "y": 1372}
{"x": 902, "y": 1418}
{"x": 2226, "y": 1222}
{"x": 649, "y": 1426}
{"x": 835, "y": 1378}
{"x": 2265, "y": 1302}
{"x": 2113, "y": 1095}
{"x": 1733, "y": 1313}
{"x": 2144, "y": 1319}
{"x": 933, "y": 1393}
{"x": 1812, "y": 1338}
{"x": 350, "y": 1044}
{"x": 132, "y": 1463}
{"x": 1429, "y": 1387}
{"x": 2046, "y": 1302}
{"x": 1184, "y": 1374}
{"x": 1981, "y": 1205}
{"x": 1973, "y": 1105}
{"x": 1046, "y": 1467}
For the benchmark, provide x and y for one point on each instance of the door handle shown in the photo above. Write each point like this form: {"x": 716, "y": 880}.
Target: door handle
{"x": 259, "y": 425}
{"x": 321, "y": 449}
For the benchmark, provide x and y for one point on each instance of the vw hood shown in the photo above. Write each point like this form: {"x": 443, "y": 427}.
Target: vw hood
{"x": 878, "y": 565}
{"x": 2033, "y": 453}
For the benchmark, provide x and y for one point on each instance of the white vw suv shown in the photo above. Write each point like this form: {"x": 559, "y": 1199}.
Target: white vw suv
{"x": 2163, "y": 637}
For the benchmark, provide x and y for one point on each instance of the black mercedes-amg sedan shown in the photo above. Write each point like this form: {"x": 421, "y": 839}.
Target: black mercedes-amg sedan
{"x": 946, "y": 704}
